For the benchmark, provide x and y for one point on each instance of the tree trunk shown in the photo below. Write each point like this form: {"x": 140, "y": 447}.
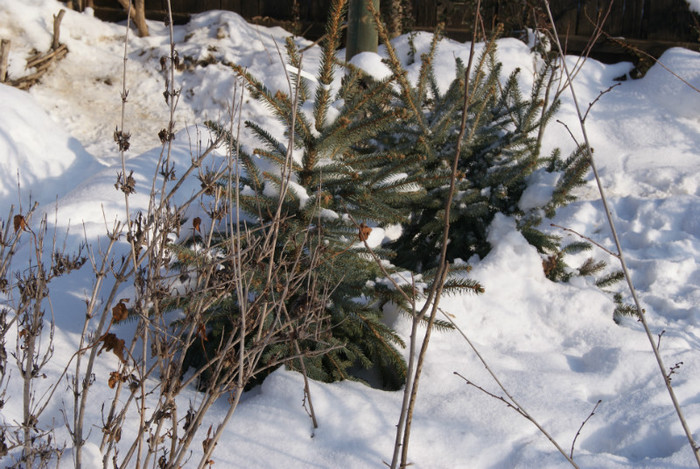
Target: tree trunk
{"x": 138, "y": 15}
{"x": 362, "y": 32}
{"x": 140, "y": 18}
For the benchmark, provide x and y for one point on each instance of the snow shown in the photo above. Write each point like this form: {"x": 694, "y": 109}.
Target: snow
{"x": 694, "y": 5}
{"x": 36, "y": 153}
{"x": 554, "y": 346}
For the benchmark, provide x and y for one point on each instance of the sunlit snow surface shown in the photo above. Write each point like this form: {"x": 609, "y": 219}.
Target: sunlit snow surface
{"x": 554, "y": 346}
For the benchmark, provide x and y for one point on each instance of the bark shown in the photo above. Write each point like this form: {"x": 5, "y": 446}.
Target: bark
{"x": 362, "y": 32}
{"x": 138, "y": 15}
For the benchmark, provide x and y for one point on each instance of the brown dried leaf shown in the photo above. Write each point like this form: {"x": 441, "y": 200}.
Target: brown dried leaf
{"x": 364, "y": 232}
{"x": 208, "y": 441}
{"x": 184, "y": 256}
{"x": 122, "y": 139}
{"x": 114, "y": 344}
{"x": 202, "y": 332}
{"x": 549, "y": 264}
{"x": 326, "y": 199}
{"x": 114, "y": 378}
{"x": 20, "y": 223}
{"x": 120, "y": 312}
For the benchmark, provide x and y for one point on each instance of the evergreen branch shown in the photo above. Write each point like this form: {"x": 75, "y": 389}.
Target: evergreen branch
{"x": 276, "y": 158}
{"x": 586, "y": 238}
{"x": 351, "y": 111}
{"x": 267, "y": 139}
{"x": 447, "y": 106}
{"x": 438, "y": 324}
{"x": 406, "y": 90}
{"x": 434, "y": 87}
{"x": 387, "y": 181}
{"x": 576, "y": 247}
{"x": 279, "y": 183}
{"x": 377, "y": 93}
{"x": 544, "y": 243}
{"x": 252, "y": 175}
{"x": 623, "y": 309}
{"x": 374, "y": 326}
{"x": 295, "y": 60}
{"x": 426, "y": 76}
{"x": 325, "y": 75}
{"x": 462, "y": 285}
{"x": 259, "y": 90}
{"x": 610, "y": 279}
{"x": 546, "y": 73}
{"x": 356, "y": 132}
{"x": 280, "y": 103}
{"x": 575, "y": 169}
{"x": 590, "y": 267}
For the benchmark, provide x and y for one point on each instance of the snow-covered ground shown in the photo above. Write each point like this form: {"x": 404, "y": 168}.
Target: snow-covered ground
{"x": 554, "y": 346}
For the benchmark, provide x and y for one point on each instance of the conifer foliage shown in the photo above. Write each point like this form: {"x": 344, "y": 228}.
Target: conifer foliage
{"x": 374, "y": 153}
{"x": 332, "y": 193}
{"x": 499, "y": 157}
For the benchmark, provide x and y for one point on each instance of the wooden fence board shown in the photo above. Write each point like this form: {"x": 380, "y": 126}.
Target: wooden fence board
{"x": 232, "y": 5}
{"x": 277, "y": 8}
{"x": 632, "y": 18}
{"x": 565, "y": 14}
{"x": 251, "y": 8}
{"x": 669, "y": 20}
{"x": 588, "y": 14}
{"x": 615, "y": 24}
{"x": 425, "y": 12}
{"x": 204, "y": 5}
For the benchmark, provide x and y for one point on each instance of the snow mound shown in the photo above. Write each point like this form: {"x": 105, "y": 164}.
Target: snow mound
{"x": 36, "y": 153}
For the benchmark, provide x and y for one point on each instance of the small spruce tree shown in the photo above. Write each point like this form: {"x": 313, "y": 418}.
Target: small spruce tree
{"x": 499, "y": 156}
{"x": 339, "y": 187}
{"x": 378, "y": 152}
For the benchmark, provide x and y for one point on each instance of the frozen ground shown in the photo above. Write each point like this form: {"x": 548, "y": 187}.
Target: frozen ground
{"x": 554, "y": 346}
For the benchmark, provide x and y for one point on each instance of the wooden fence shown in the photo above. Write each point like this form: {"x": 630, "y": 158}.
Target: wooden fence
{"x": 652, "y": 25}
{"x": 668, "y": 20}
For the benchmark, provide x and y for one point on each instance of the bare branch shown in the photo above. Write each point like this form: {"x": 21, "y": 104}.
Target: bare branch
{"x": 573, "y": 443}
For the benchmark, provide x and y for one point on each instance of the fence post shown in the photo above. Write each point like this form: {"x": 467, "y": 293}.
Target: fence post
{"x": 362, "y": 33}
